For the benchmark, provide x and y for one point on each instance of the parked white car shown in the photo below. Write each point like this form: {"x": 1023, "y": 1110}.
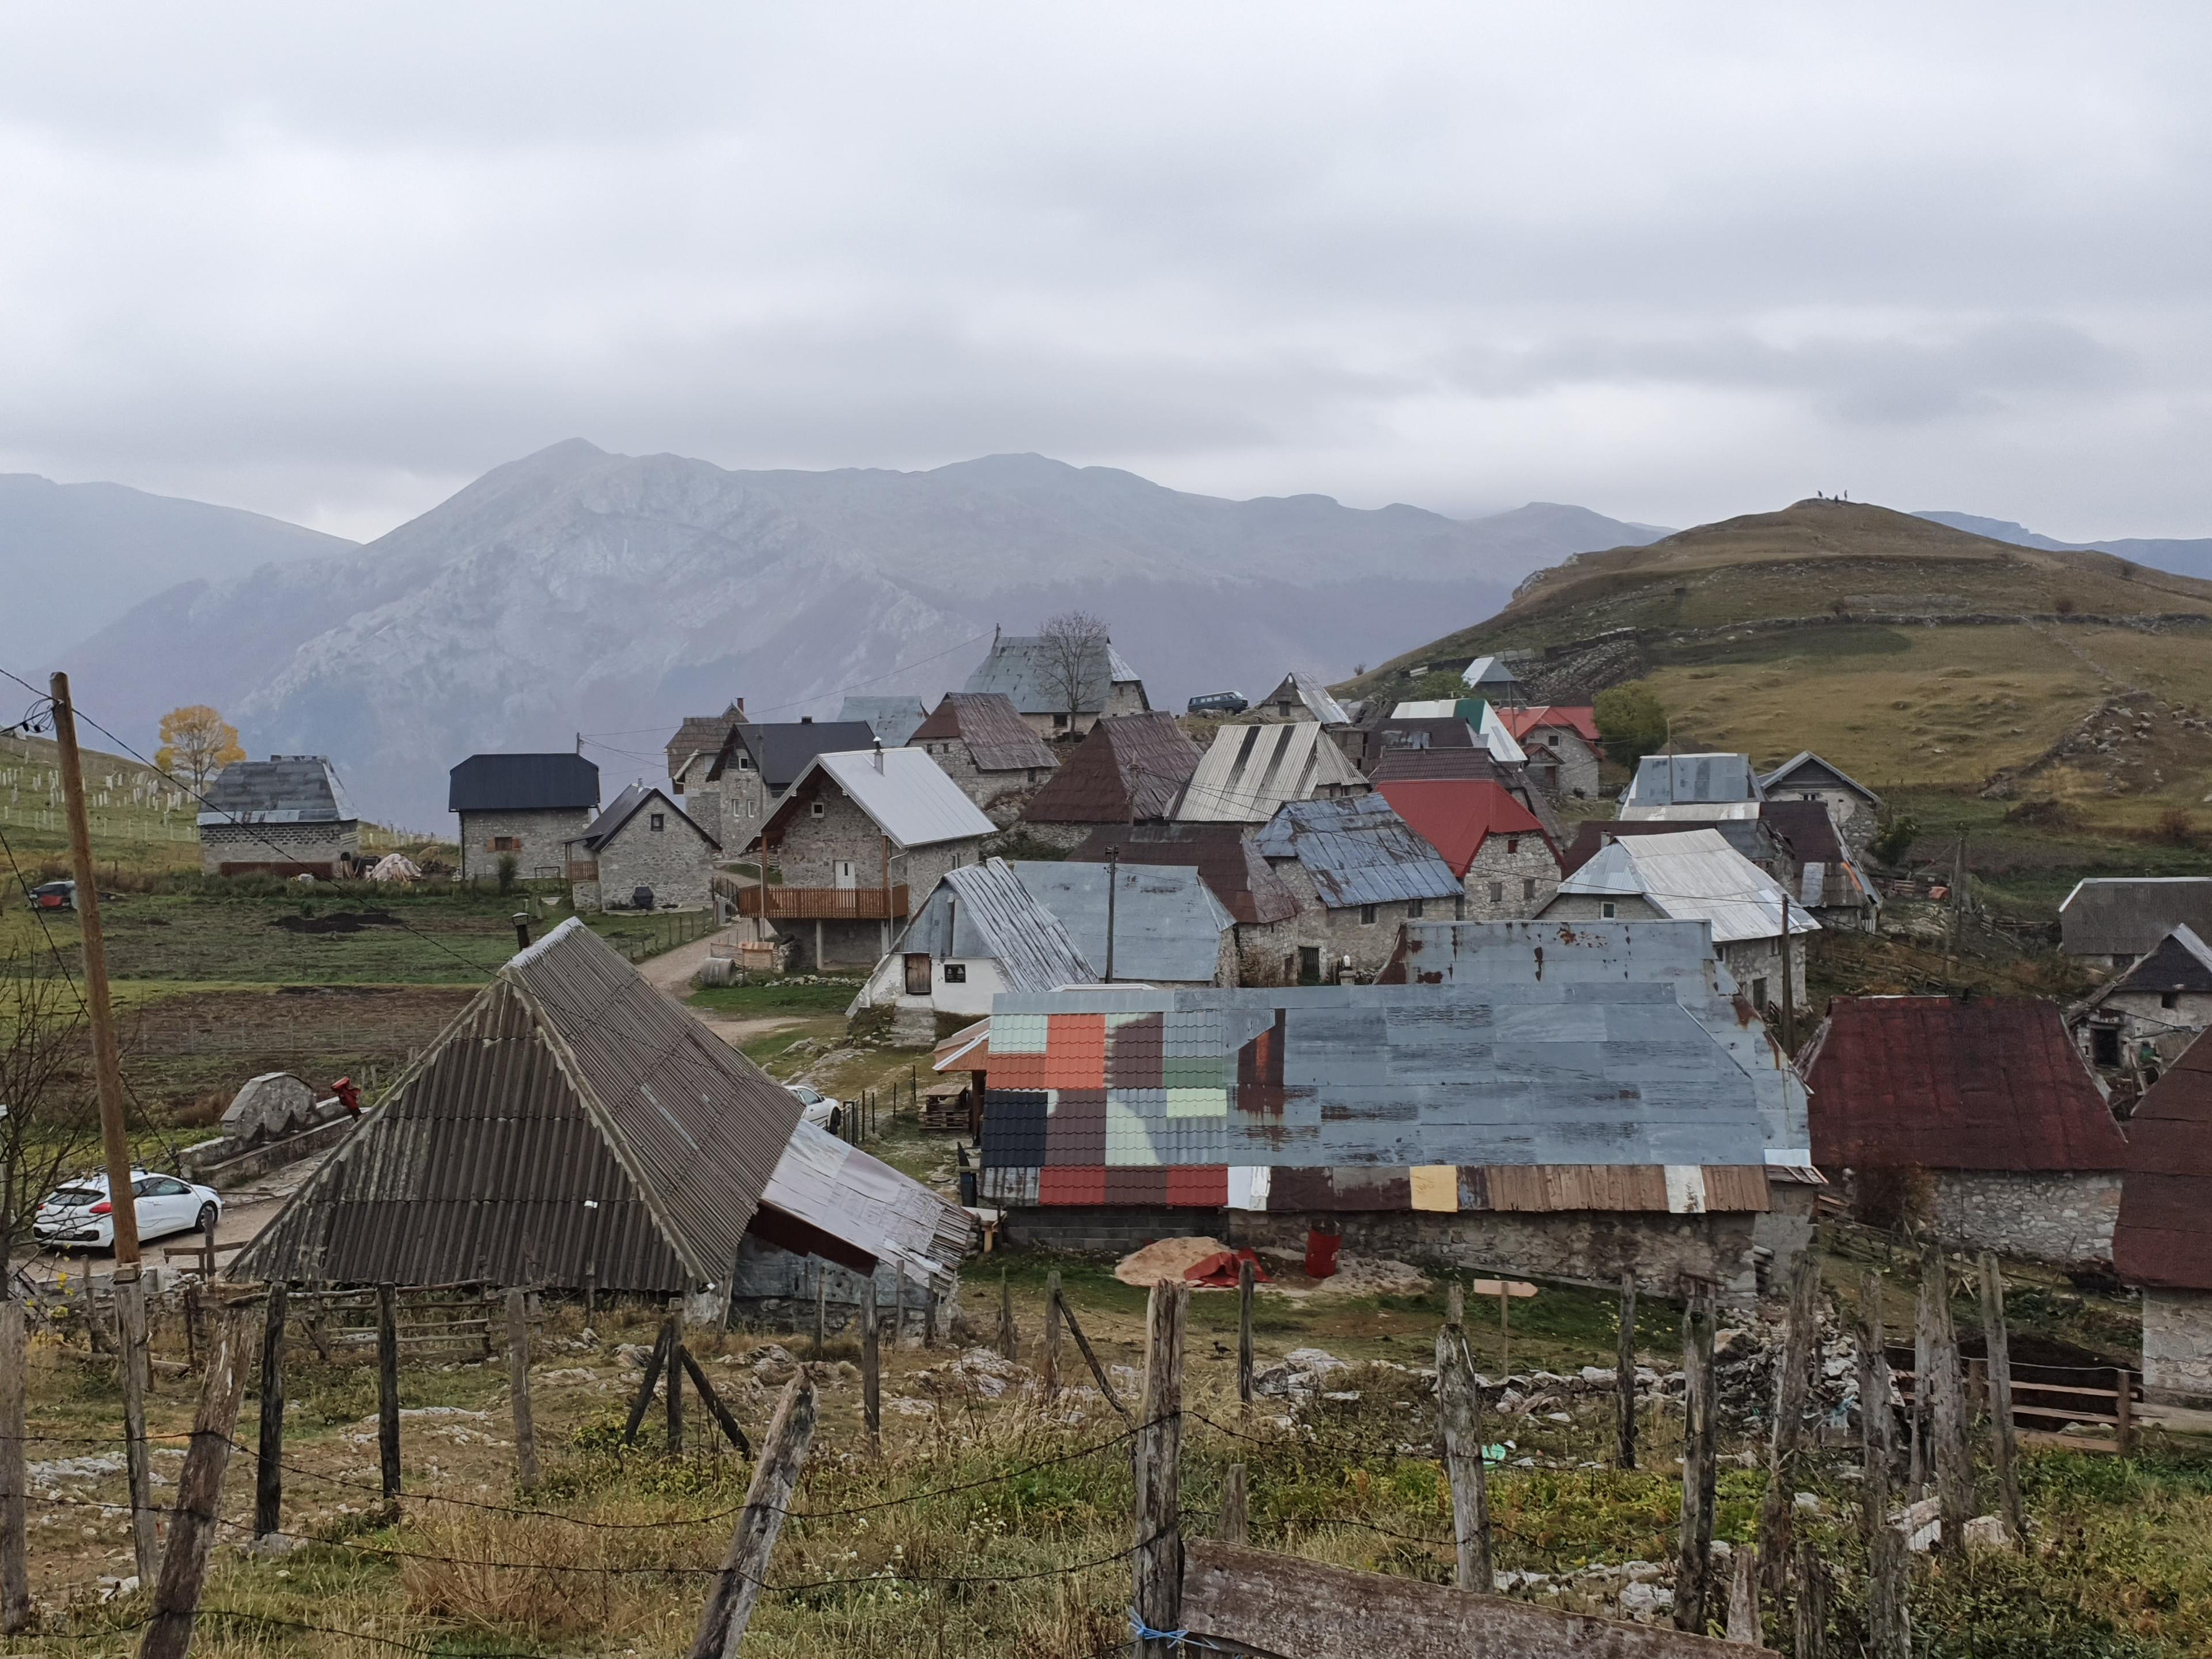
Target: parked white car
{"x": 80, "y": 1216}
{"x": 817, "y": 1109}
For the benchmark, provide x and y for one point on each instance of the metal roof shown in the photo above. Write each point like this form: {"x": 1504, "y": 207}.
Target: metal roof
{"x": 2161, "y": 1239}
{"x": 1412, "y": 763}
{"x": 1129, "y": 769}
{"x": 783, "y": 750}
{"x": 1687, "y": 812}
{"x": 1814, "y": 766}
{"x": 1251, "y": 771}
{"x": 983, "y": 910}
{"x": 1578, "y": 718}
{"x": 283, "y": 789}
{"x": 1233, "y": 870}
{"x": 2127, "y": 915}
{"x": 906, "y": 793}
{"x": 891, "y": 718}
{"x": 1693, "y": 875}
{"x": 1307, "y": 697}
{"x": 862, "y": 1202}
{"x": 1994, "y": 1082}
{"x": 1488, "y": 670}
{"x": 1749, "y": 837}
{"x": 998, "y": 739}
{"x": 1025, "y": 667}
{"x": 634, "y": 800}
{"x": 1167, "y": 927}
{"x": 572, "y": 1122}
{"x": 1358, "y": 851}
{"x": 523, "y": 783}
{"x": 1690, "y": 780}
{"x": 1456, "y": 816}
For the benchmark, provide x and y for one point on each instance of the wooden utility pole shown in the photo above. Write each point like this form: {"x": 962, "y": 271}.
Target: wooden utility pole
{"x": 1794, "y": 1385}
{"x": 1247, "y": 1278}
{"x": 1234, "y": 1527}
{"x": 744, "y": 1570}
{"x": 1693, "y": 1561}
{"x": 268, "y": 1472}
{"x": 1789, "y": 1004}
{"x": 114, "y": 1136}
{"x": 1051, "y": 1334}
{"x": 1157, "y": 1562}
{"x": 200, "y": 1494}
{"x": 1624, "y": 1376}
{"x": 14, "y": 1480}
{"x": 1945, "y": 1392}
{"x": 1810, "y": 1611}
{"x": 2005, "y": 1436}
{"x": 1462, "y": 1422}
{"x": 872, "y": 1367}
{"x": 518, "y": 1388}
{"x": 1889, "y": 1630}
{"x": 387, "y": 1388}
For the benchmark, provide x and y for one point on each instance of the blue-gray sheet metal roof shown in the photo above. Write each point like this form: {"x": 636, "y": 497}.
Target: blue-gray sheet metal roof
{"x": 893, "y": 719}
{"x": 1398, "y": 1076}
{"x": 283, "y": 789}
{"x": 571, "y": 1121}
{"x": 993, "y": 916}
{"x": 1247, "y": 772}
{"x": 781, "y": 750}
{"x": 841, "y": 1190}
{"x": 1358, "y": 851}
{"x": 907, "y": 794}
{"x": 523, "y": 783}
{"x": 1025, "y": 668}
{"x": 1682, "y": 779}
{"x": 1167, "y": 924}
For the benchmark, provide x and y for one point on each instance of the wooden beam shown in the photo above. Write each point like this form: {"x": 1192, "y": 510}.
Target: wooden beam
{"x": 387, "y": 1387}
{"x": 2005, "y": 1432}
{"x": 200, "y": 1494}
{"x": 729, "y": 1604}
{"x": 1623, "y": 1378}
{"x": 713, "y": 1401}
{"x": 15, "y": 1614}
{"x": 1090, "y": 1358}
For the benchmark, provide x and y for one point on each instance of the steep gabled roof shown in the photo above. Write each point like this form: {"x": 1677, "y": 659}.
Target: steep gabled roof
{"x": 1488, "y": 672}
{"x": 891, "y": 718}
{"x": 1692, "y": 875}
{"x": 1309, "y": 699}
{"x": 1129, "y": 769}
{"x": 1358, "y": 851}
{"x": 1579, "y": 718}
{"x": 2179, "y": 963}
{"x": 1229, "y": 863}
{"x": 523, "y": 783}
{"x": 1807, "y": 770}
{"x": 1991, "y": 1084}
{"x": 998, "y": 739}
{"x": 1457, "y": 815}
{"x": 1690, "y": 780}
{"x": 2127, "y": 915}
{"x": 1025, "y": 668}
{"x": 634, "y": 800}
{"x": 702, "y": 734}
{"x": 829, "y": 1198}
{"x": 1747, "y": 835}
{"x": 1251, "y": 771}
{"x": 780, "y": 751}
{"x": 1167, "y": 927}
{"x": 905, "y": 792}
{"x": 2163, "y": 1239}
{"x": 283, "y": 789}
{"x": 983, "y": 910}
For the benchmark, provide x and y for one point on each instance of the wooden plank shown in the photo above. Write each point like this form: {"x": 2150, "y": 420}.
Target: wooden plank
{"x": 713, "y": 1401}
{"x": 1090, "y": 1358}
{"x": 1287, "y": 1607}
{"x": 1624, "y": 1376}
{"x": 1798, "y": 1356}
{"x": 200, "y": 1494}
{"x": 2049, "y": 1441}
{"x": 744, "y": 1570}
{"x": 1459, "y": 1410}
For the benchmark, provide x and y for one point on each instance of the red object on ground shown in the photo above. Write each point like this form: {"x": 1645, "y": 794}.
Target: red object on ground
{"x": 1320, "y": 1253}
{"x": 1219, "y": 1269}
{"x": 349, "y": 1096}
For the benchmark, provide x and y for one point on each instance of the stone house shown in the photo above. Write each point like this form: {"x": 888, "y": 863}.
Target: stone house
{"x": 856, "y": 842}
{"x": 1505, "y": 862}
{"x": 1792, "y": 840}
{"x": 1227, "y": 860}
{"x": 691, "y": 754}
{"x": 983, "y": 745}
{"x": 2135, "y": 1026}
{"x": 1035, "y": 676}
{"x": 2107, "y": 921}
{"x": 1855, "y": 809}
{"x": 758, "y": 762}
{"x": 643, "y": 844}
{"x": 1357, "y": 874}
{"x": 1129, "y": 769}
{"x": 2161, "y": 1245}
{"x": 892, "y": 719}
{"x": 525, "y": 808}
{"x": 287, "y": 816}
{"x": 1694, "y": 875}
{"x": 1301, "y": 696}
{"x": 980, "y": 933}
{"x": 1986, "y": 1102}
{"x": 1561, "y": 744}
{"x": 1248, "y": 773}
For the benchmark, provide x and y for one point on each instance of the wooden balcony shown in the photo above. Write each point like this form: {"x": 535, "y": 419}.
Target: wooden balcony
{"x": 824, "y": 904}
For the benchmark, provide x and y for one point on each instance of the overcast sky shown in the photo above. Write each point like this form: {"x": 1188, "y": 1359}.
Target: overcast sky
{"x": 1671, "y": 261}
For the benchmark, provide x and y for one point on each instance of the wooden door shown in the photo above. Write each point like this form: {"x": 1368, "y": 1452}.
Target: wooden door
{"x": 917, "y": 974}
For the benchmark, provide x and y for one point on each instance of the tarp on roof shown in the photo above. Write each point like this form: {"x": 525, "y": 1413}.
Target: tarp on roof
{"x": 1457, "y": 815}
{"x": 2163, "y": 1239}
{"x": 904, "y": 792}
{"x": 283, "y": 789}
{"x": 1358, "y": 851}
{"x": 1994, "y": 1082}
{"x": 1692, "y": 875}
{"x": 780, "y": 751}
{"x": 1167, "y": 927}
{"x": 1690, "y": 780}
{"x": 1249, "y": 771}
{"x": 1027, "y": 670}
{"x": 893, "y": 719}
{"x": 983, "y": 910}
{"x": 2127, "y": 915}
{"x": 997, "y": 738}
{"x": 523, "y": 783}
{"x": 1129, "y": 769}
{"x": 1229, "y": 864}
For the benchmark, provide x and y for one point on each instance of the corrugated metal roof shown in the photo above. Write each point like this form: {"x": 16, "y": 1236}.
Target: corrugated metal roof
{"x": 2127, "y": 915}
{"x": 906, "y": 793}
{"x": 1994, "y": 1082}
{"x": 1025, "y": 668}
{"x": 572, "y": 1120}
{"x": 1488, "y": 671}
{"x": 863, "y": 1202}
{"x": 1749, "y": 837}
{"x": 1167, "y": 927}
{"x": 1251, "y": 771}
{"x": 2163, "y": 1239}
{"x": 1413, "y": 763}
{"x": 983, "y": 910}
{"x": 283, "y": 789}
{"x": 1689, "y": 780}
{"x": 997, "y": 738}
{"x": 1457, "y": 815}
{"x": 1805, "y": 769}
{"x": 1700, "y": 811}
{"x": 1307, "y": 697}
{"x": 1358, "y": 851}
{"x": 523, "y": 783}
{"x": 634, "y": 800}
{"x": 893, "y": 719}
{"x": 1693, "y": 875}
{"x": 1129, "y": 769}
{"x": 1232, "y": 867}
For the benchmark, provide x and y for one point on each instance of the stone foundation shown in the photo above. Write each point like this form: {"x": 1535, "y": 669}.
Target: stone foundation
{"x": 2065, "y": 1218}
{"x": 2177, "y": 1347}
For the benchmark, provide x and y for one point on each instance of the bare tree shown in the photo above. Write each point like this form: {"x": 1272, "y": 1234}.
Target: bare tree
{"x": 47, "y": 1119}
{"x": 1075, "y": 660}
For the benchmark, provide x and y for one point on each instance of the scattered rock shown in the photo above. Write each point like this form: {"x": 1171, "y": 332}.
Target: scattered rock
{"x": 568, "y": 1374}
{"x": 1988, "y": 1533}
{"x": 1641, "y": 1601}
{"x": 113, "y": 1589}
{"x": 633, "y": 1353}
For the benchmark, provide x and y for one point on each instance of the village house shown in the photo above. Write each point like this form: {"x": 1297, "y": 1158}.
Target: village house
{"x": 1695, "y": 876}
{"x": 1561, "y": 744}
{"x": 1301, "y": 696}
{"x": 1056, "y": 692}
{"x": 1482, "y": 718}
{"x": 1489, "y": 678}
{"x": 2136, "y": 1025}
{"x": 2162, "y": 1246}
{"x": 1506, "y": 864}
{"x": 1974, "y": 1116}
{"x": 892, "y": 720}
{"x": 1357, "y": 873}
{"x": 1794, "y": 841}
{"x": 979, "y": 932}
{"x": 758, "y": 762}
{"x": 1704, "y": 786}
{"x": 287, "y": 816}
{"x": 983, "y": 745}
{"x": 643, "y": 853}
{"x": 1159, "y": 926}
{"x": 854, "y": 837}
{"x": 524, "y": 807}
{"x": 1855, "y": 809}
{"x": 1223, "y": 854}
{"x": 2107, "y": 921}
{"x": 1130, "y": 768}
{"x": 1249, "y": 772}
{"x": 691, "y": 755}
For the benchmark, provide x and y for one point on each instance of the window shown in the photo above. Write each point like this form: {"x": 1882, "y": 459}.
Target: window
{"x": 819, "y": 809}
{"x": 1606, "y": 909}
{"x": 660, "y": 823}
{"x": 1059, "y": 722}
{"x": 2104, "y": 1045}
{"x": 1528, "y": 888}
{"x": 1553, "y": 740}
{"x": 503, "y": 844}
{"x": 2169, "y": 1000}
{"x": 745, "y": 762}
{"x": 1498, "y": 892}
{"x": 956, "y": 973}
{"x": 1366, "y": 915}
{"x": 1414, "y": 909}
{"x": 1513, "y": 843}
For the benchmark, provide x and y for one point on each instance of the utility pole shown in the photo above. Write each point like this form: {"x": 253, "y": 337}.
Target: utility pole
{"x": 1788, "y": 994}
{"x": 1113, "y": 881}
{"x": 1957, "y": 891}
{"x": 115, "y": 1141}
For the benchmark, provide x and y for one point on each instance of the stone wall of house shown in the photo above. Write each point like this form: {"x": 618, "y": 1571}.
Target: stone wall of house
{"x": 1512, "y": 877}
{"x": 1575, "y": 769}
{"x": 745, "y": 804}
{"x": 811, "y": 847}
{"x": 1855, "y": 820}
{"x": 673, "y": 861}
{"x": 544, "y": 836}
{"x": 1269, "y": 955}
{"x": 1751, "y": 960}
{"x": 2059, "y": 1218}
{"x": 701, "y": 799}
{"x": 233, "y": 848}
{"x": 2177, "y": 1347}
{"x": 2143, "y": 1017}
{"x": 1063, "y": 837}
{"x": 1001, "y": 795}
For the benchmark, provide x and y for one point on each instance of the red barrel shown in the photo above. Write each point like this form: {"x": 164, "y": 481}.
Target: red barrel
{"x": 1320, "y": 1253}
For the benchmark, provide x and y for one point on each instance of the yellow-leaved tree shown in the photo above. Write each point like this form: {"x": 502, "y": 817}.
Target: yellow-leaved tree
{"x": 196, "y": 743}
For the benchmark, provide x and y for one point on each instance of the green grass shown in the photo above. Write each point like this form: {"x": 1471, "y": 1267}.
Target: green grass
{"x": 775, "y": 996}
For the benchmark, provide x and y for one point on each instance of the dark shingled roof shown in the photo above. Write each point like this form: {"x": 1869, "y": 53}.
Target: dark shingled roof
{"x": 1228, "y": 863}
{"x": 2126, "y": 915}
{"x": 283, "y": 789}
{"x": 702, "y": 734}
{"x": 1990, "y": 1084}
{"x": 2163, "y": 1238}
{"x": 1805, "y": 828}
{"x": 783, "y": 750}
{"x": 2179, "y": 962}
{"x": 627, "y": 806}
{"x": 998, "y": 739}
{"x": 1130, "y": 768}
{"x": 522, "y": 783}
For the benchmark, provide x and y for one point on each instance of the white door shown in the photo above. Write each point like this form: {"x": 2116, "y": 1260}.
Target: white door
{"x": 847, "y": 877}
{"x": 165, "y": 1206}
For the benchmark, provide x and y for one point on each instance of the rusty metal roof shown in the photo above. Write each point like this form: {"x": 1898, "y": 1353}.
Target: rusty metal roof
{"x": 571, "y": 1121}
{"x": 863, "y": 1203}
{"x": 1130, "y": 768}
{"x": 1230, "y": 865}
{"x": 2163, "y": 1239}
{"x": 1358, "y": 851}
{"x": 998, "y": 739}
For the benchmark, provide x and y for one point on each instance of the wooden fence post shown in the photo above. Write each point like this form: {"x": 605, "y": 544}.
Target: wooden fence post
{"x": 654, "y": 1362}
{"x": 200, "y": 1494}
{"x": 1090, "y": 1358}
{"x": 1693, "y": 1563}
{"x": 518, "y": 1388}
{"x": 1997, "y": 1343}
{"x": 1157, "y": 1561}
{"x": 14, "y": 1480}
{"x": 1743, "y": 1599}
{"x": 130, "y": 1343}
{"x": 269, "y": 1470}
{"x": 191, "y": 1325}
{"x": 1811, "y": 1608}
{"x": 1234, "y": 1529}
{"x": 1051, "y": 1334}
{"x": 2123, "y": 1410}
{"x": 673, "y": 1375}
{"x": 1889, "y": 1633}
{"x": 744, "y": 1570}
{"x": 821, "y": 1312}
{"x": 929, "y": 1319}
{"x": 1947, "y": 1414}
{"x": 1247, "y": 1290}
{"x": 1624, "y": 1377}
{"x": 1009, "y": 1344}
{"x": 1462, "y": 1422}
{"x": 1794, "y": 1384}
{"x": 387, "y": 1387}
{"x": 871, "y": 1376}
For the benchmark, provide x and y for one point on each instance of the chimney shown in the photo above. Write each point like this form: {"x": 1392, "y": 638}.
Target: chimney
{"x": 879, "y": 753}
{"x": 522, "y": 930}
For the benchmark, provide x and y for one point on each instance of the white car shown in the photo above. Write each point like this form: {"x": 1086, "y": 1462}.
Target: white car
{"x": 79, "y": 1216}
{"x": 817, "y": 1109}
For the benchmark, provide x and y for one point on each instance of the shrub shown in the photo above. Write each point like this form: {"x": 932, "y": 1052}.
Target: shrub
{"x": 1892, "y": 843}
{"x": 2175, "y": 828}
{"x": 507, "y": 869}
{"x": 2065, "y": 605}
{"x": 1630, "y": 721}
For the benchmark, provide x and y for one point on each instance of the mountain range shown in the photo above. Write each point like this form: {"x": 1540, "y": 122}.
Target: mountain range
{"x": 2184, "y": 555}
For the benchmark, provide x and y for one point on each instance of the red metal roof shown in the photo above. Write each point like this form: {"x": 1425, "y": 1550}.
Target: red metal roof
{"x": 1455, "y": 815}
{"x": 1990, "y": 1084}
{"x": 2165, "y": 1233}
{"x": 1581, "y": 720}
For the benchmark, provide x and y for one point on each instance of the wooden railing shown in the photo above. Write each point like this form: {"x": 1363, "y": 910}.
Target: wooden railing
{"x": 824, "y": 904}
{"x": 2054, "y": 1395}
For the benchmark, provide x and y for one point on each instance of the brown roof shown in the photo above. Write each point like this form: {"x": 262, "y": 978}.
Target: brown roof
{"x": 1129, "y": 769}
{"x": 1987, "y": 1084}
{"x": 1806, "y": 827}
{"x": 2163, "y": 1238}
{"x": 703, "y": 734}
{"x": 1426, "y": 765}
{"x": 1228, "y": 863}
{"x": 998, "y": 739}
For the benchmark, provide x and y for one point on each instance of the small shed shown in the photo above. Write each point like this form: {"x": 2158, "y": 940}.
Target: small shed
{"x": 286, "y": 816}
{"x": 2134, "y": 1025}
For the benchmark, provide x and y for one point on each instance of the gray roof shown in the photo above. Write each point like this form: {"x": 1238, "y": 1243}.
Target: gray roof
{"x": 1358, "y": 851}
{"x": 634, "y": 800}
{"x": 840, "y": 1191}
{"x": 891, "y": 718}
{"x": 1248, "y": 772}
{"x": 1676, "y": 780}
{"x": 523, "y": 783}
{"x": 781, "y": 750}
{"x": 1167, "y": 924}
{"x": 906, "y": 793}
{"x": 998, "y": 739}
{"x": 1024, "y": 668}
{"x": 983, "y": 910}
{"x": 1805, "y": 769}
{"x": 2127, "y": 915}
{"x": 1307, "y": 697}
{"x": 283, "y": 789}
{"x": 1695, "y": 876}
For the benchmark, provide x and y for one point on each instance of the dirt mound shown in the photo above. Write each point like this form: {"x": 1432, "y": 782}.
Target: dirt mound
{"x": 1165, "y": 1258}
{"x": 338, "y": 921}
